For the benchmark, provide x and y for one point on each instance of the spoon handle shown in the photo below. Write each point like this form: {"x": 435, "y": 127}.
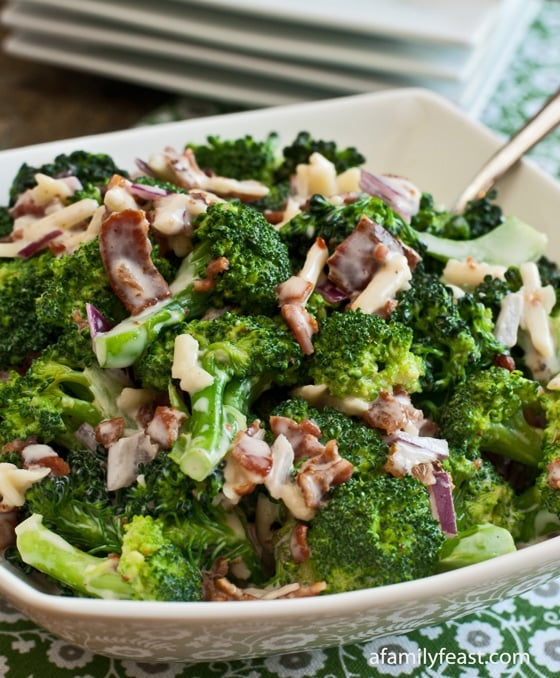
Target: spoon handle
{"x": 535, "y": 129}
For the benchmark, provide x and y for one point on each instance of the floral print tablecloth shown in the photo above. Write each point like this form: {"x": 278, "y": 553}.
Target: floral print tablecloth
{"x": 517, "y": 637}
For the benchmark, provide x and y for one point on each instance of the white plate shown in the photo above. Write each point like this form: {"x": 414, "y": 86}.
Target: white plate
{"x": 302, "y": 56}
{"x": 463, "y": 22}
{"x": 248, "y": 81}
{"x": 352, "y": 60}
{"x": 410, "y": 132}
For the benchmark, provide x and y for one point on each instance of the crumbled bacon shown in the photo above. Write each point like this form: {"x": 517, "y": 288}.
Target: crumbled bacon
{"x": 165, "y": 425}
{"x": 358, "y": 258}
{"x": 217, "y": 587}
{"x": 553, "y": 474}
{"x": 302, "y": 324}
{"x": 299, "y": 547}
{"x": 109, "y": 431}
{"x": 321, "y": 473}
{"x": 303, "y": 436}
{"x": 38, "y": 455}
{"x": 213, "y": 269}
{"x": 248, "y": 463}
{"x": 392, "y": 412}
{"x": 182, "y": 169}
{"x": 125, "y": 249}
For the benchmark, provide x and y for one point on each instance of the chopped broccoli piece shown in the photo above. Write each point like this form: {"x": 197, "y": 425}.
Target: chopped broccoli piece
{"x": 241, "y": 158}
{"x": 256, "y": 262}
{"x": 453, "y": 337}
{"x": 149, "y": 567}
{"x": 488, "y": 413}
{"x": 358, "y": 355}
{"x": 78, "y": 506}
{"x": 21, "y": 334}
{"x": 334, "y": 223}
{"x": 51, "y": 401}
{"x": 90, "y": 168}
{"x": 509, "y": 244}
{"x": 374, "y": 531}
{"x": 475, "y": 545}
{"x": 244, "y": 355}
{"x": 479, "y": 217}
{"x": 305, "y": 144}
{"x": 84, "y": 574}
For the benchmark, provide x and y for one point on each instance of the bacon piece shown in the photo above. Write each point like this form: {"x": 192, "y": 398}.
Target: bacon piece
{"x": 217, "y": 587}
{"x": 38, "y": 455}
{"x": 165, "y": 425}
{"x": 183, "y": 170}
{"x": 299, "y": 547}
{"x": 553, "y": 474}
{"x": 213, "y": 269}
{"x": 303, "y": 437}
{"x": 248, "y": 463}
{"x": 302, "y": 324}
{"x": 393, "y": 412}
{"x": 109, "y": 431}
{"x": 358, "y": 258}
{"x": 125, "y": 249}
{"x": 321, "y": 473}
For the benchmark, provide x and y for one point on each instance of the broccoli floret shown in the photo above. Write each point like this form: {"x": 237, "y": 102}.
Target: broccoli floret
{"x": 479, "y": 217}
{"x": 334, "y": 223}
{"x": 241, "y": 158}
{"x": 77, "y": 571}
{"x": 547, "y": 483}
{"x": 21, "y": 334}
{"x": 243, "y": 356}
{"x": 488, "y": 413}
{"x": 374, "y": 531}
{"x": 453, "y": 337}
{"x": 77, "y": 279}
{"x": 255, "y": 263}
{"x": 78, "y": 506}
{"x": 90, "y": 168}
{"x": 6, "y": 222}
{"x": 149, "y": 567}
{"x": 482, "y": 495}
{"x": 304, "y": 145}
{"x": 155, "y": 566}
{"x": 52, "y": 400}
{"x": 192, "y": 514}
{"x": 358, "y": 355}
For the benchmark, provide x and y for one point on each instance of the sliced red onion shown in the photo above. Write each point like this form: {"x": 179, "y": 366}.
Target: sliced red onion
{"x": 85, "y": 434}
{"x": 399, "y": 193}
{"x": 33, "y": 247}
{"x": 96, "y": 321}
{"x": 144, "y": 167}
{"x": 146, "y": 192}
{"x": 441, "y": 501}
{"x": 330, "y": 292}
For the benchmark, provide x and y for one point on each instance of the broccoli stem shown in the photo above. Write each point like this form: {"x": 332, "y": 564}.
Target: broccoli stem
{"x": 123, "y": 344}
{"x": 515, "y": 439}
{"x": 509, "y": 244}
{"x": 474, "y": 545}
{"x": 52, "y": 555}
{"x": 211, "y": 427}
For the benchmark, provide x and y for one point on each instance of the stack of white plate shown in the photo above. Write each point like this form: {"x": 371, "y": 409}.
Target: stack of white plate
{"x": 256, "y": 53}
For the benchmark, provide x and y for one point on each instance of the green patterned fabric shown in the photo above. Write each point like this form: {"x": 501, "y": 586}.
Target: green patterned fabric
{"x": 517, "y": 637}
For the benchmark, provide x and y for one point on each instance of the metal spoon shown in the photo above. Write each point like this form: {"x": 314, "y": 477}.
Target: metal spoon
{"x": 535, "y": 129}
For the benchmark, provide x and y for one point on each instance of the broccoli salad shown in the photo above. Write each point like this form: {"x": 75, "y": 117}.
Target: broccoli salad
{"x": 246, "y": 371}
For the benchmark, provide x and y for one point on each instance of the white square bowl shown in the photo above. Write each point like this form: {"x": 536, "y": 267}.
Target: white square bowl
{"x": 411, "y": 132}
